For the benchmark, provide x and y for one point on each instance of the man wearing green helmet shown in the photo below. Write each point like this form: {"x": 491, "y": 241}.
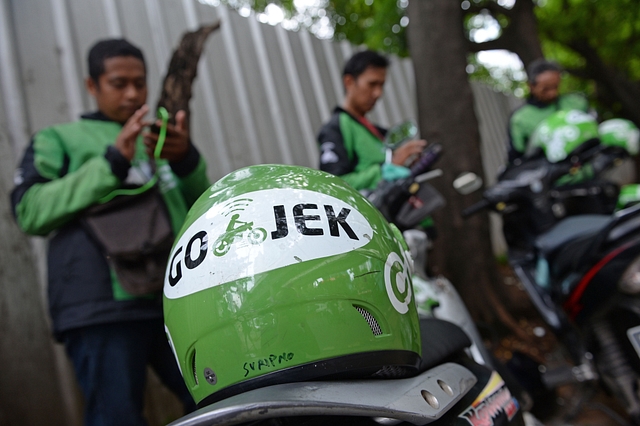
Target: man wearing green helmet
{"x": 544, "y": 100}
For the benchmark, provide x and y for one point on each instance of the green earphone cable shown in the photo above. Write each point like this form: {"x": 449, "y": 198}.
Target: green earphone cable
{"x": 162, "y": 135}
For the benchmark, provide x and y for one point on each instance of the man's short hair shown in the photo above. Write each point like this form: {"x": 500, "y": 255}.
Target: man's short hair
{"x": 110, "y": 48}
{"x": 539, "y": 66}
{"x": 359, "y": 62}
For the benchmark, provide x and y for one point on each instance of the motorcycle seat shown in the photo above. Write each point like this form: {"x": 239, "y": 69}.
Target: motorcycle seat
{"x": 564, "y": 245}
{"x": 441, "y": 340}
{"x": 568, "y": 230}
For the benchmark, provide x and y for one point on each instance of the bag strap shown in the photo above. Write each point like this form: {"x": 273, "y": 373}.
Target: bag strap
{"x": 162, "y": 135}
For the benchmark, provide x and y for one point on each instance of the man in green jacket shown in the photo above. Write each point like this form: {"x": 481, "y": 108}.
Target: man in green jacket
{"x": 350, "y": 145}
{"x": 544, "y": 99}
{"x": 109, "y": 334}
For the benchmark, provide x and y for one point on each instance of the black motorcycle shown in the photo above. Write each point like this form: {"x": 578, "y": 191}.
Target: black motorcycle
{"x": 579, "y": 260}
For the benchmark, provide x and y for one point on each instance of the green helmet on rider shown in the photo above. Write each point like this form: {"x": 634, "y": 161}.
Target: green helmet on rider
{"x": 282, "y": 274}
{"x": 621, "y": 133}
{"x": 561, "y": 133}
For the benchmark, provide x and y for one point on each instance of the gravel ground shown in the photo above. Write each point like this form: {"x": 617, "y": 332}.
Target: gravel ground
{"x": 581, "y": 404}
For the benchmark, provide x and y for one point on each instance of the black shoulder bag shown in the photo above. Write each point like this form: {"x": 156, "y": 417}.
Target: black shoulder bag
{"x": 133, "y": 229}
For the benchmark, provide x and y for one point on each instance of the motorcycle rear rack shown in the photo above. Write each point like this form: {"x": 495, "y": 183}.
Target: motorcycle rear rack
{"x": 419, "y": 400}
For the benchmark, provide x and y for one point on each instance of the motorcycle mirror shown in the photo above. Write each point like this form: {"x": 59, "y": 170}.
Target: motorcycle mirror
{"x": 467, "y": 183}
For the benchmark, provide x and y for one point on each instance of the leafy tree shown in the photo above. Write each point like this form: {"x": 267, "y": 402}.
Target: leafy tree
{"x": 595, "y": 41}
{"x": 598, "y": 44}
{"x": 381, "y": 25}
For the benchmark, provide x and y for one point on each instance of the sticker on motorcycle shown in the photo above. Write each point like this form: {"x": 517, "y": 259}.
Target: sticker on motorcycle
{"x": 494, "y": 401}
{"x": 259, "y": 232}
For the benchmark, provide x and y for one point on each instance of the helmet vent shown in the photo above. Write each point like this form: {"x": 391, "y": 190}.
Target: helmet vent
{"x": 193, "y": 366}
{"x": 373, "y": 324}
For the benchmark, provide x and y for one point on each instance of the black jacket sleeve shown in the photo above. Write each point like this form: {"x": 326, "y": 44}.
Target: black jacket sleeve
{"x": 334, "y": 158}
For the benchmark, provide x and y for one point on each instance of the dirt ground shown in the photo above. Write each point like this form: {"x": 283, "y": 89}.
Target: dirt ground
{"x": 584, "y": 404}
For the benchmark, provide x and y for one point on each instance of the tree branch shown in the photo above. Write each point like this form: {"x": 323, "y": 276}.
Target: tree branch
{"x": 498, "y": 43}
{"x": 621, "y": 88}
{"x": 493, "y": 8}
{"x": 176, "y": 86}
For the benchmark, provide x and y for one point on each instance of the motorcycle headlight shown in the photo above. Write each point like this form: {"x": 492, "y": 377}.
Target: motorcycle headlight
{"x": 630, "y": 281}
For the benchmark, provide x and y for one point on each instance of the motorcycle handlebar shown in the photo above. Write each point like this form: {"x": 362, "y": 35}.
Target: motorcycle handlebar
{"x": 475, "y": 208}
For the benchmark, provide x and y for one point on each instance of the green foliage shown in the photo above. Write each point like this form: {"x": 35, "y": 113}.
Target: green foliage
{"x": 260, "y": 5}
{"x": 611, "y": 28}
{"x": 502, "y": 79}
{"x": 380, "y": 25}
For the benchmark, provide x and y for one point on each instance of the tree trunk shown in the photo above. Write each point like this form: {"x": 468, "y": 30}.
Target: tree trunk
{"x": 618, "y": 87}
{"x": 463, "y": 250}
{"x": 522, "y": 32}
{"x": 520, "y": 36}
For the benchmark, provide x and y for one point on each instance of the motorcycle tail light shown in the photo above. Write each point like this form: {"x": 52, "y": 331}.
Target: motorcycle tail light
{"x": 630, "y": 281}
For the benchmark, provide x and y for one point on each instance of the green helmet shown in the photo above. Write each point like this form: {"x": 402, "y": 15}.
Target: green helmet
{"x": 282, "y": 274}
{"x": 629, "y": 195}
{"x": 620, "y": 132}
{"x": 562, "y": 132}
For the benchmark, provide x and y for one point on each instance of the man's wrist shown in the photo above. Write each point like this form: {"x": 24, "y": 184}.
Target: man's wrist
{"x": 120, "y": 165}
{"x": 188, "y": 163}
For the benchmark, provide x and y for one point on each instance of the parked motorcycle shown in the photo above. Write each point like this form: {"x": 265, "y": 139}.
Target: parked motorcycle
{"x": 318, "y": 323}
{"x": 577, "y": 257}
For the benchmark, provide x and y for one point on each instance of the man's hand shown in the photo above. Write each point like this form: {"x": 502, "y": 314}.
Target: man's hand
{"x": 176, "y": 144}
{"x": 408, "y": 150}
{"x": 126, "y": 140}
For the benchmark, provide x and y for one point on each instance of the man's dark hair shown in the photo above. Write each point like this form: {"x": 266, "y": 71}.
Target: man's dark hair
{"x": 539, "y": 66}
{"x": 359, "y": 62}
{"x": 105, "y": 49}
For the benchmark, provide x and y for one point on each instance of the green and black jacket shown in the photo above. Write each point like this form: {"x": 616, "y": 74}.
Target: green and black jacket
{"x": 68, "y": 168}
{"x": 350, "y": 150}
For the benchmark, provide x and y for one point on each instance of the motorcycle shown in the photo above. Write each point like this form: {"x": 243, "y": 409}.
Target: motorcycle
{"x": 457, "y": 383}
{"x": 577, "y": 255}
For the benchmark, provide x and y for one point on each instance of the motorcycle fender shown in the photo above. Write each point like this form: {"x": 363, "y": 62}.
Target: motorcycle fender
{"x": 419, "y": 400}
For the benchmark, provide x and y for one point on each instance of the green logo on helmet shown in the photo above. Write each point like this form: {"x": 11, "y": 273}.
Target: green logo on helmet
{"x": 302, "y": 225}
{"x": 397, "y": 281}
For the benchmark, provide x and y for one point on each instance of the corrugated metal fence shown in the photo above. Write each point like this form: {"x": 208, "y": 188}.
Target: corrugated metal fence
{"x": 260, "y": 96}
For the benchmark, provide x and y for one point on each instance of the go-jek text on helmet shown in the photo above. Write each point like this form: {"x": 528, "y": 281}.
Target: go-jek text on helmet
{"x": 283, "y": 274}
{"x": 620, "y": 132}
{"x": 562, "y": 132}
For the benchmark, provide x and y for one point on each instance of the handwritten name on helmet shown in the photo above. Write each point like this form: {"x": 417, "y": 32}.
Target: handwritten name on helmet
{"x": 261, "y": 231}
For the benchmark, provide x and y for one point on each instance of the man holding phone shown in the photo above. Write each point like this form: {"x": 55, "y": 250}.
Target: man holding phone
{"x": 110, "y": 334}
{"x": 350, "y": 145}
